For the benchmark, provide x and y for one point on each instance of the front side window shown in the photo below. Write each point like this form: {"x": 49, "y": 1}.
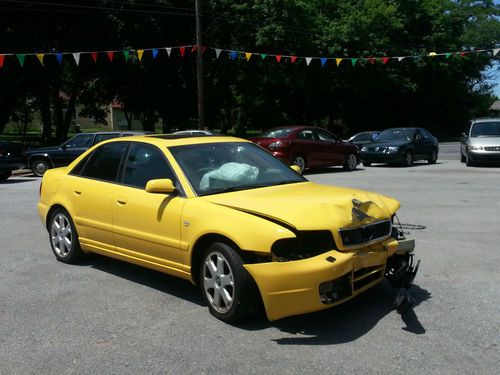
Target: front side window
{"x": 325, "y": 136}
{"x": 104, "y": 162}
{"x": 145, "y": 163}
{"x": 306, "y": 134}
{"x": 213, "y": 168}
{"x": 80, "y": 141}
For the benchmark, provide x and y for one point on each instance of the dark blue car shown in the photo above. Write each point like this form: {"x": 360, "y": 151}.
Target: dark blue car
{"x": 11, "y": 158}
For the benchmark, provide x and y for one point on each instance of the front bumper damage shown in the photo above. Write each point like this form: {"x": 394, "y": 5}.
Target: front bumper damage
{"x": 317, "y": 283}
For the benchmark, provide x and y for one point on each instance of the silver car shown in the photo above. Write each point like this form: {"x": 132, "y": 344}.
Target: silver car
{"x": 481, "y": 142}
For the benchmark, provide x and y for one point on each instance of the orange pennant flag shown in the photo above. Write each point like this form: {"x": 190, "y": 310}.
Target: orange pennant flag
{"x": 40, "y": 57}
{"x": 248, "y": 55}
{"x": 140, "y": 52}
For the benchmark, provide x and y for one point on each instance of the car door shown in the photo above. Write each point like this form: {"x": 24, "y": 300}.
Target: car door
{"x": 147, "y": 225}
{"x": 418, "y": 145}
{"x": 71, "y": 149}
{"x": 92, "y": 184}
{"x": 331, "y": 148}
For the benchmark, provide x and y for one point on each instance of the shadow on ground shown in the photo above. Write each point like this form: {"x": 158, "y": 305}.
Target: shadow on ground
{"x": 12, "y": 181}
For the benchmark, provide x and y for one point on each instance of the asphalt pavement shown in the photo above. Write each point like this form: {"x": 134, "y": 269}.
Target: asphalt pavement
{"x": 107, "y": 317}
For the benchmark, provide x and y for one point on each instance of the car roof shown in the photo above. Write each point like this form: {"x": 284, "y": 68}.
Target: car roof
{"x": 486, "y": 119}
{"x": 168, "y": 140}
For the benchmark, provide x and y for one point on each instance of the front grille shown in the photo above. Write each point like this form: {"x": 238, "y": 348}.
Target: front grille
{"x": 366, "y": 233}
{"x": 492, "y": 148}
{"x": 365, "y": 276}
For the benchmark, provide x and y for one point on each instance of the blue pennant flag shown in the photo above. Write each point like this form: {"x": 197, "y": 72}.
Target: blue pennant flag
{"x": 155, "y": 53}
{"x": 59, "y": 57}
{"x": 233, "y": 55}
{"x": 323, "y": 61}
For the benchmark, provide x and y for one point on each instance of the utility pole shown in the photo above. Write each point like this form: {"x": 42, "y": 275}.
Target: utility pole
{"x": 199, "y": 67}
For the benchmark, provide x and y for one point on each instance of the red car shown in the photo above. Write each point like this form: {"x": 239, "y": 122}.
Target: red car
{"x": 309, "y": 147}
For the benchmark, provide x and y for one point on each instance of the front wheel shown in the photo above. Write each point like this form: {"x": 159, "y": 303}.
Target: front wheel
{"x": 367, "y": 163}
{"x": 468, "y": 161}
{"x": 433, "y": 158}
{"x": 39, "y": 167}
{"x": 351, "y": 162}
{"x": 228, "y": 289}
{"x": 64, "y": 238}
{"x": 5, "y": 175}
{"x": 408, "y": 159}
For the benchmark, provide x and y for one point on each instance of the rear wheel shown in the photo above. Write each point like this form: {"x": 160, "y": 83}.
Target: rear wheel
{"x": 39, "y": 167}
{"x": 64, "y": 238}
{"x": 367, "y": 163}
{"x": 228, "y": 289}
{"x": 351, "y": 162}
{"x": 300, "y": 161}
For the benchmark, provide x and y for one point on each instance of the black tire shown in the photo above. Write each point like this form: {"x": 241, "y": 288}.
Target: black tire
{"x": 222, "y": 274}
{"x": 468, "y": 161}
{"x": 5, "y": 175}
{"x": 434, "y": 157}
{"x": 367, "y": 163}
{"x": 462, "y": 158}
{"x": 39, "y": 166}
{"x": 300, "y": 161}
{"x": 64, "y": 238}
{"x": 351, "y": 162}
{"x": 408, "y": 161}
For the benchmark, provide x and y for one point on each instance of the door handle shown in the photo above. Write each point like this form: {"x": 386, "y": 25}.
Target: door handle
{"x": 78, "y": 192}
{"x": 121, "y": 200}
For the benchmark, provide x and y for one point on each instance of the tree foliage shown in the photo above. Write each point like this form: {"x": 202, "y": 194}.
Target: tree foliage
{"x": 440, "y": 94}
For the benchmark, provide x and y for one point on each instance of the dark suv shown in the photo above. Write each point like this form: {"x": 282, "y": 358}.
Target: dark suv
{"x": 11, "y": 158}
{"x": 41, "y": 159}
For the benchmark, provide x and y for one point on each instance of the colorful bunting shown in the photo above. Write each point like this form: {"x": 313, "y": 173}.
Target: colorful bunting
{"x": 59, "y": 57}
{"x": 217, "y": 52}
{"x": 293, "y": 59}
{"x": 126, "y": 54}
{"x": 40, "y": 56}
{"x": 278, "y": 58}
{"x": 385, "y": 60}
{"x": 448, "y": 55}
{"x": 20, "y": 58}
{"x": 76, "y": 56}
{"x": 2, "y": 58}
{"x": 169, "y": 51}
{"x": 308, "y": 60}
{"x": 495, "y": 51}
{"x": 182, "y": 50}
{"x": 323, "y": 61}
{"x": 94, "y": 56}
{"x": 248, "y": 55}
{"x": 400, "y": 58}
{"x": 110, "y": 55}
{"x": 140, "y": 52}
{"x": 371, "y": 60}
{"x": 233, "y": 55}
{"x": 155, "y": 53}
{"x": 338, "y": 61}
{"x": 263, "y": 56}
{"x": 354, "y": 61}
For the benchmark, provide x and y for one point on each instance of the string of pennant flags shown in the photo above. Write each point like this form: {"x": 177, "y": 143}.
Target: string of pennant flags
{"x": 182, "y": 51}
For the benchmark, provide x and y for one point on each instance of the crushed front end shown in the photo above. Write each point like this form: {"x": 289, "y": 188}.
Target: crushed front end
{"x": 341, "y": 266}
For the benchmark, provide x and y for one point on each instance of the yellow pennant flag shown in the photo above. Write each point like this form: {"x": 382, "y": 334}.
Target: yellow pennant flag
{"x": 140, "y": 52}
{"x": 40, "y": 57}
{"x": 248, "y": 55}
{"x": 338, "y": 61}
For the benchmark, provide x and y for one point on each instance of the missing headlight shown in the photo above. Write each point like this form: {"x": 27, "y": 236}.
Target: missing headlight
{"x": 307, "y": 244}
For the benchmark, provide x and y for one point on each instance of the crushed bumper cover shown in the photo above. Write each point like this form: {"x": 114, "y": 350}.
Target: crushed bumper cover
{"x": 323, "y": 281}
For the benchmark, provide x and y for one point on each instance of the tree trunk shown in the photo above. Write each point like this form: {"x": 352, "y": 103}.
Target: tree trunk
{"x": 45, "y": 113}
{"x": 129, "y": 116}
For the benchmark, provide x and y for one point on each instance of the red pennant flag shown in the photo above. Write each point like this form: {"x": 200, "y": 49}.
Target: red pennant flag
{"x": 278, "y": 58}
{"x": 462, "y": 53}
{"x": 182, "y": 51}
{"x": 94, "y": 56}
{"x": 2, "y": 58}
{"x": 385, "y": 60}
{"x": 110, "y": 55}
{"x": 372, "y": 60}
{"x": 193, "y": 50}
{"x": 293, "y": 59}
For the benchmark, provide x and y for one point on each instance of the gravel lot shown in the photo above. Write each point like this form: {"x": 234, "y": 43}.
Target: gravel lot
{"x": 108, "y": 317}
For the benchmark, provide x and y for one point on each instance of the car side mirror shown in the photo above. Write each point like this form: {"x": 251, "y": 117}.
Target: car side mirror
{"x": 464, "y": 135}
{"x": 296, "y": 168}
{"x": 160, "y": 186}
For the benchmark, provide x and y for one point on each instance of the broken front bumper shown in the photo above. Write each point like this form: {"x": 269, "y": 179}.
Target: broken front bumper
{"x": 323, "y": 281}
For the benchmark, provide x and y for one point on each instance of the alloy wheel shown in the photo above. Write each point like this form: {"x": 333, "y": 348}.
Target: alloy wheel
{"x": 61, "y": 235}
{"x": 218, "y": 282}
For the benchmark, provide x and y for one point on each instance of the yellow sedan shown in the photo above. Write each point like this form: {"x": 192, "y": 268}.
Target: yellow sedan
{"x": 226, "y": 215}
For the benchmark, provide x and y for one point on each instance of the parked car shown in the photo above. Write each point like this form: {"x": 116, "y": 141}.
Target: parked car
{"x": 41, "y": 159}
{"x": 309, "y": 147}
{"x": 401, "y": 146}
{"x": 363, "y": 138}
{"x": 11, "y": 158}
{"x": 193, "y": 132}
{"x": 226, "y": 215}
{"x": 481, "y": 142}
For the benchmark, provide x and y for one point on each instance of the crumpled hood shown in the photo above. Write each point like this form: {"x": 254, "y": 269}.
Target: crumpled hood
{"x": 310, "y": 206}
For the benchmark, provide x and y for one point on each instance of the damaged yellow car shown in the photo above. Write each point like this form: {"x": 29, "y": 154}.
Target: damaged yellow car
{"x": 226, "y": 215}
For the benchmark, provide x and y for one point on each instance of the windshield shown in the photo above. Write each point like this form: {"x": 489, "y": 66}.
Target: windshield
{"x": 276, "y": 133}
{"x": 222, "y": 167}
{"x": 485, "y": 129}
{"x": 396, "y": 135}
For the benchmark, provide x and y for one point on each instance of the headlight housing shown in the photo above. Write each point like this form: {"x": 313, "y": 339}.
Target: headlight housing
{"x": 476, "y": 147}
{"x": 364, "y": 148}
{"x": 392, "y": 149}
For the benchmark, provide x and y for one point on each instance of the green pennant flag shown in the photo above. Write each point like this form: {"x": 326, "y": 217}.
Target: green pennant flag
{"x": 354, "y": 61}
{"x": 448, "y": 55}
{"x": 126, "y": 54}
{"x": 263, "y": 56}
{"x": 21, "y": 57}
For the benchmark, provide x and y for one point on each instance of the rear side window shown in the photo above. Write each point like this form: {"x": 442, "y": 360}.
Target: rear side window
{"x": 80, "y": 141}
{"x": 104, "y": 162}
{"x": 144, "y": 163}
{"x": 104, "y": 137}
